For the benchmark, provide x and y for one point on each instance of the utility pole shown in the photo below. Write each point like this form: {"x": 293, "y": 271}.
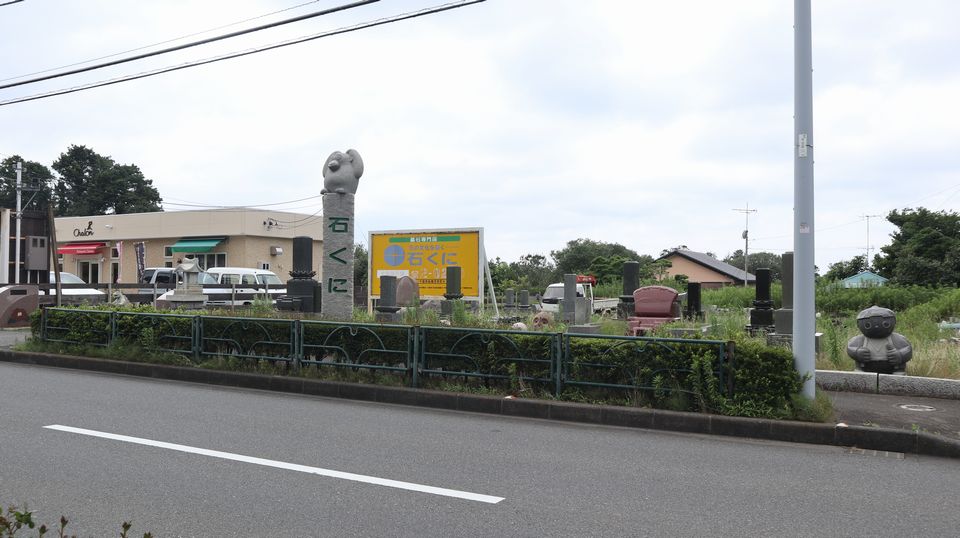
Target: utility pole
{"x": 866, "y": 262}
{"x": 16, "y": 256}
{"x": 746, "y": 238}
{"x": 804, "y": 302}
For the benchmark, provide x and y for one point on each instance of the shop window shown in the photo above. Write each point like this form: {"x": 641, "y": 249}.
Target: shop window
{"x": 210, "y": 259}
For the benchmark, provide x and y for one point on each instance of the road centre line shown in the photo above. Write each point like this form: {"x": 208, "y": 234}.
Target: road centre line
{"x": 284, "y": 465}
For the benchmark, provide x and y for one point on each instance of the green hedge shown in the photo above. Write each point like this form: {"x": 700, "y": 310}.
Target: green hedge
{"x": 680, "y": 375}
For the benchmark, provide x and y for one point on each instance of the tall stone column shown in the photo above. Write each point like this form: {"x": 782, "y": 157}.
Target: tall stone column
{"x": 337, "y": 266}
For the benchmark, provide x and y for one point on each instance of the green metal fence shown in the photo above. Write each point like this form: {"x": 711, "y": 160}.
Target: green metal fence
{"x": 550, "y": 361}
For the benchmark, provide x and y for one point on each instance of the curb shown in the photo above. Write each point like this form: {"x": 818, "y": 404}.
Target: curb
{"x": 883, "y": 439}
{"x": 897, "y": 385}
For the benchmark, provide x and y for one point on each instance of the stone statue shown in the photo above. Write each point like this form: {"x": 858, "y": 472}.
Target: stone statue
{"x": 879, "y": 349}
{"x": 341, "y": 172}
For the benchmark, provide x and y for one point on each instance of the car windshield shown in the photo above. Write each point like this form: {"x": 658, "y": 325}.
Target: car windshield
{"x": 553, "y": 292}
{"x": 272, "y": 280}
{"x": 206, "y": 278}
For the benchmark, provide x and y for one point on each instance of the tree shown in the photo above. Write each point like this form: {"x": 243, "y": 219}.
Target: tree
{"x": 844, "y": 269}
{"x": 925, "y": 250}
{"x": 33, "y": 175}
{"x": 360, "y": 261}
{"x": 577, "y": 256}
{"x": 758, "y": 260}
{"x": 91, "y": 184}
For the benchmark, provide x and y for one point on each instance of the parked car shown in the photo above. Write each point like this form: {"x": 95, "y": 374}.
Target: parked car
{"x": 74, "y": 294}
{"x": 267, "y": 282}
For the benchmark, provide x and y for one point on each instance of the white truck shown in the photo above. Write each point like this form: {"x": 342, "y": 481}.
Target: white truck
{"x": 550, "y": 300}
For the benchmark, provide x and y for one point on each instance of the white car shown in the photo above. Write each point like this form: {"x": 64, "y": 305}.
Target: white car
{"x": 75, "y": 294}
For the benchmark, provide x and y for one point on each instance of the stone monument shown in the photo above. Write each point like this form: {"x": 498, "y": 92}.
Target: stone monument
{"x": 189, "y": 292}
{"x": 631, "y": 281}
{"x": 783, "y": 316}
{"x": 879, "y": 349}
{"x": 761, "y": 315}
{"x": 454, "y": 290}
{"x": 303, "y": 292}
{"x": 341, "y": 176}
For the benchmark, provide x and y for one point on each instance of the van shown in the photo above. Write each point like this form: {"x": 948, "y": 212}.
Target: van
{"x": 239, "y": 277}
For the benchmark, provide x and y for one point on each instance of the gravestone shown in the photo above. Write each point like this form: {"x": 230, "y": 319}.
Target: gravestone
{"x": 653, "y": 306}
{"x": 387, "y": 306}
{"x": 524, "y": 300}
{"x": 408, "y": 292}
{"x": 761, "y": 315}
{"x": 694, "y": 311}
{"x": 453, "y": 290}
{"x": 783, "y": 317}
{"x": 569, "y": 304}
{"x": 631, "y": 281}
{"x": 303, "y": 293}
{"x": 341, "y": 175}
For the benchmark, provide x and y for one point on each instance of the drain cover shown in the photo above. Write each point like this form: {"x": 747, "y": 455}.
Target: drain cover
{"x": 917, "y": 407}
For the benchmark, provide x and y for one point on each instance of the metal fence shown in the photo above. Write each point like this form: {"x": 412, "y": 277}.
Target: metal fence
{"x": 550, "y": 361}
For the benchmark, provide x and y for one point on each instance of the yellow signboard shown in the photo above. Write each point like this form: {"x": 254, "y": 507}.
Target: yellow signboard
{"x": 424, "y": 256}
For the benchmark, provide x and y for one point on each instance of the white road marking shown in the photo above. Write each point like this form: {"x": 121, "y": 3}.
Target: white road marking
{"x": 283, "y": 465}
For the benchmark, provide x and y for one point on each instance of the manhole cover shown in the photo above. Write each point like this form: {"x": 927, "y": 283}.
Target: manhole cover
{"x": 917, "y": 407}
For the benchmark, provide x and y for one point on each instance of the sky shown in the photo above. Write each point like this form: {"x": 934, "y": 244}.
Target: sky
{"x": 648, "y": 124}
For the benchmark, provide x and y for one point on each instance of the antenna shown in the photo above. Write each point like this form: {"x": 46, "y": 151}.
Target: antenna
{"x": 868, "y": 217}
{"x": 746, "y": 239}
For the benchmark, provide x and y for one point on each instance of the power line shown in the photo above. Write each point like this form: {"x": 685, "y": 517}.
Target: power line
{"x": 192, "y": 44}
{"x": 197, "y": 204}
{"x": 164, "y": 42}
{"x": 343, "y": 30}
{"x": 10, "y": 2}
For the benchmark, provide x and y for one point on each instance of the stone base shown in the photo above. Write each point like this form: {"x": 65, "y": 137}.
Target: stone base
{"x": 783, "y": 320}
{"x": 386, "y": 317}
{"x": 589, "y": 328}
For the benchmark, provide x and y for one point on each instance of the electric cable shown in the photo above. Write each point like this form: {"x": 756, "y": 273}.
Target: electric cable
{"x": 10, "y": 2}
{"x": 164, "y": 42}
{"x": 342, "y": 30}
{"x": 214, "y": 39}
{"x": 197, "y": 204}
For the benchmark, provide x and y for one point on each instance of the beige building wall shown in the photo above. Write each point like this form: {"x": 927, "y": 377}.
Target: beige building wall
{"x": 249, "y": 235}
{"x": 697, "y": 273}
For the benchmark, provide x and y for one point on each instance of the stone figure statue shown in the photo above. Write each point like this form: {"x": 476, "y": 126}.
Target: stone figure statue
{"x": 879, "y": 349}
{"x": 341, "y": 172}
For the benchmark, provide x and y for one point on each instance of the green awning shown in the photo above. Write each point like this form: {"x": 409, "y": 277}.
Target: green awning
{"x": 204, "y": 244}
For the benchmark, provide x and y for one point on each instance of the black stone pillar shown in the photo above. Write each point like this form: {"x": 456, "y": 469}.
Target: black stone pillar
{"x": 631, "y": 281}
{"x": 693, "y": 301}
{"x": 302, "y": 289}
{"x": 761, "y": 315}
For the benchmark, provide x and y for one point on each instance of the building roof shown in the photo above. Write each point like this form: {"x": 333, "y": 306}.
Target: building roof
{"x": 863, "y": 279}
{"x": 711, "y": 263}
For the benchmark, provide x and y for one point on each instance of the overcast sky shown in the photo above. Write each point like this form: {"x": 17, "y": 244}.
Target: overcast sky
{"x": 637, "y": 122}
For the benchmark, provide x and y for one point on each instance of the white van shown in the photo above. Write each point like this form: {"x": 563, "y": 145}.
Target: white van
{"x": 240, "y": 276}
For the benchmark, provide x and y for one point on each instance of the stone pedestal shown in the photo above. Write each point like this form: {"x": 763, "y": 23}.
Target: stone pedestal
{"x": 337, "y": 265}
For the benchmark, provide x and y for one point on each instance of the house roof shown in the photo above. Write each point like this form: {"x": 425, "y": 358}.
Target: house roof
{"x": 863, "y": 277}
{"x": 711, "y": 263}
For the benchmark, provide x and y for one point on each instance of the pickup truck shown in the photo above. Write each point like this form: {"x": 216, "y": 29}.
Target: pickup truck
{"x": 550, "y": 300}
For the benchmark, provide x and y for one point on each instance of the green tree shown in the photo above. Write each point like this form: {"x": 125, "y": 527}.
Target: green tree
{"x": 361, "y": 259}
{"x": 33, "y": 176}
{"x": 758, "y": 260}
{"x": 848, "y": 268}
{"x": 579, "y": 254}
{"x": 92, "y": 184}
{"x": 925, "y": 250}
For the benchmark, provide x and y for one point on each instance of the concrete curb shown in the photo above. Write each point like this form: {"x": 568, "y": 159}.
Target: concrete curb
{"x": 899, "y": 385}
{"x": 883, "y": 439}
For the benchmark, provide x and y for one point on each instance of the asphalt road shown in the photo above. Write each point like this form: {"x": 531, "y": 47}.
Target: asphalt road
{"x": 553, "y": 479}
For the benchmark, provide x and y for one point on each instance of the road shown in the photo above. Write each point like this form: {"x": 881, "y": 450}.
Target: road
{"x": 190, "y": 460}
